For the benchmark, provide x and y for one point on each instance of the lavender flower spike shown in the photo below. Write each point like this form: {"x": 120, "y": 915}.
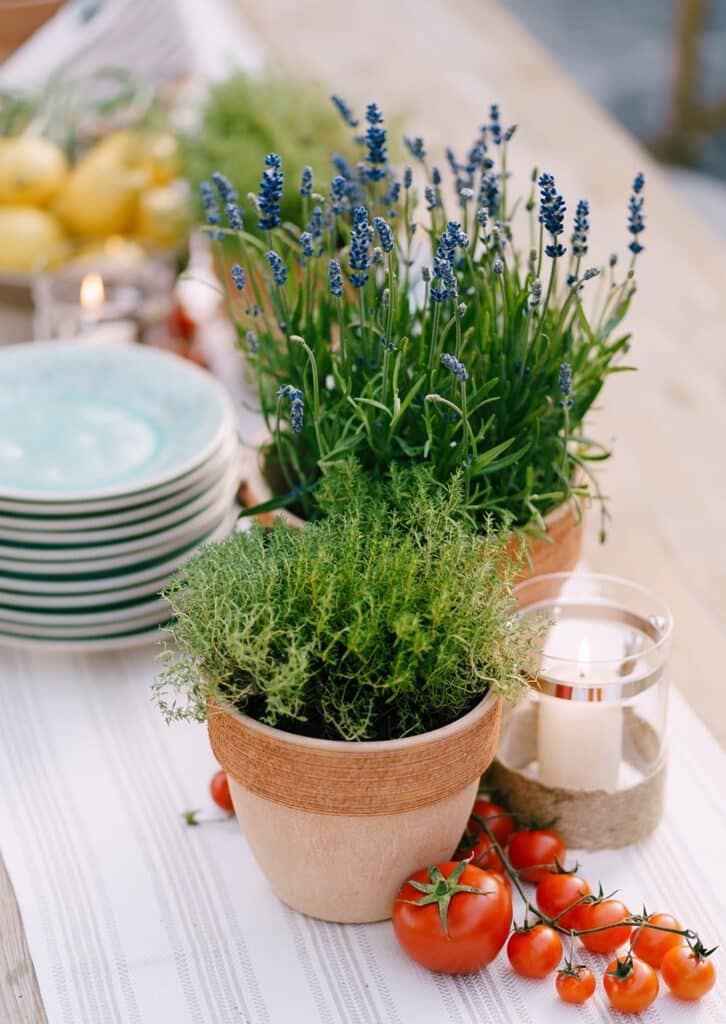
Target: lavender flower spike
{"x": 384, "y": 233}
{"x": 453, "y": 365}
{"x": 278, "y": 268}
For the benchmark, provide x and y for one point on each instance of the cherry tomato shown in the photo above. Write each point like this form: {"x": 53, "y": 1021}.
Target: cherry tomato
{"x": 219, "y": 788}
{"x": 631, "y": 985}
{"x": 477, "y": 923}
{"x": 536, "y": 952}
{"x": 575, "y": 984}
{"x": 500, "y": 824}
{"x": 651, "y": 945}
{"x": 558, "y": 891}
{"x": 534, "y": 851}
{"x": 476, "y": 843}
{"x": 597, "y": 915}
{"x": 689, "y": 975}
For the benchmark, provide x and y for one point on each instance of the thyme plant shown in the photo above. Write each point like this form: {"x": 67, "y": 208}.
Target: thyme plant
{"x": 392, "y": 330}
{"x": 389, "y": 618}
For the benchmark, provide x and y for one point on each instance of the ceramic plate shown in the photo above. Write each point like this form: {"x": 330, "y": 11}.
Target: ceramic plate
{"x": 81, "y": 421}
{"x": 63, "y": 520}
{"x": 142, "y": 621}
{"x": 24, "y": 558}
{"x": 65, "y": 601}
{"x": 103, "y": 583}
{"x": 119, "y": 642}
{"x": 106, "y": 615}
{"x": 132, "y": 505}
{"x": 127, "y": 531}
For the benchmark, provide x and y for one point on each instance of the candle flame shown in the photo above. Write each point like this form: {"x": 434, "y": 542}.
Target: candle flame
{"x": 92, "y": 292}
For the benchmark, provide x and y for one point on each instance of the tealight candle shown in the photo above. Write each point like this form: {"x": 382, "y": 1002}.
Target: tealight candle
{"x": 104, "y": 299}
{"x": 591, "y": 729}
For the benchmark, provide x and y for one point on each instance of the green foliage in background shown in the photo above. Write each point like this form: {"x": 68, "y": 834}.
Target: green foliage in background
{"x": 389, "y": 618}
{"x": 247, "y": 116}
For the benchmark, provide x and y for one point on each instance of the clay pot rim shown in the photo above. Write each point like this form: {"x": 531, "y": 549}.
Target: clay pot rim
{"x": 444, "y": 732}
{"x": 255, "y": 448}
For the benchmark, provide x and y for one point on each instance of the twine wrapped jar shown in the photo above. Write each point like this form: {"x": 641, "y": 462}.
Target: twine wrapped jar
{"x": 363, "y": 816}
{"x": 586, "y": 746}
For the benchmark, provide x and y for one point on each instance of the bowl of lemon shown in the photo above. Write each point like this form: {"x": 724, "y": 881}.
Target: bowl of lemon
{"x": 126, "y": 186}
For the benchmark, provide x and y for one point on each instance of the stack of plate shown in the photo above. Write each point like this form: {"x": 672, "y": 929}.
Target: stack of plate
{"x": 115, "y": 463}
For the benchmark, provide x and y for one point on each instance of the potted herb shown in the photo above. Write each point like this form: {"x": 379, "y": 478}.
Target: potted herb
{"x": 391, "y": 329}
{"x": 350, "y": 674}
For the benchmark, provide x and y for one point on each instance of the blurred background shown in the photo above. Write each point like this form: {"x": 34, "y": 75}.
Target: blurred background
{"x": 659, "y": 67}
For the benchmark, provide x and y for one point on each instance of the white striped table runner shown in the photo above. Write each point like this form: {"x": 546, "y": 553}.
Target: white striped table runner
{"x": 134, "y": 918}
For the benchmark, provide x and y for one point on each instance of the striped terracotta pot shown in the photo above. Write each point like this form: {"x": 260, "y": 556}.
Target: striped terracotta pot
{"x": 336, "y": 827}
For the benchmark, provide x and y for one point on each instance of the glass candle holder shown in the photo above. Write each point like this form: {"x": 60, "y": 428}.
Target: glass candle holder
{"x": 107, "y": 297}
{"x": 586, "y": 745}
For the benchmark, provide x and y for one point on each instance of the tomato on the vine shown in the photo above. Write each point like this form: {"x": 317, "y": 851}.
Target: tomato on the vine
{"x": 607, "y": 914}
{"x": 477, "y": 845}
{"x": 559, "y": 890}
{"x": 219, "y": 788}
{"x": 453, "y": 917}
{"x": 631, "y": 984}
{"x": 575, "y": 983}
{"x": 534, "y": 952}
{"x": 498, "y": 821}
{"x": 651, "y": 945}
{"x": 688, "y": 973}
{"x": 534, "y": 853}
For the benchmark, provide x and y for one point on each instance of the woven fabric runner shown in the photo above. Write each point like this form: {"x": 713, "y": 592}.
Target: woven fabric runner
{"x": 135, "y": 918}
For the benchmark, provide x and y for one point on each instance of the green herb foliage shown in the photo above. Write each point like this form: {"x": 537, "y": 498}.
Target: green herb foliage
{"x": 388, "y": 618}
{"x": 247, "y": 116}
{"x": 381, "y": 327}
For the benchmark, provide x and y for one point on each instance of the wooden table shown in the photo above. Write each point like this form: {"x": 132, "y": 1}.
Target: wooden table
{"x": 440, "y": 63}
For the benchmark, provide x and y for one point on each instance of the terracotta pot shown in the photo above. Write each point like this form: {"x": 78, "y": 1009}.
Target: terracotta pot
{"x": 336, "y": 827}
{"x": 560, "y": 553}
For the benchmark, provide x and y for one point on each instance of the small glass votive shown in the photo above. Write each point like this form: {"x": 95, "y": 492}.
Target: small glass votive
{"x": 585, "y": 747}
{"x": 109, "y": 297}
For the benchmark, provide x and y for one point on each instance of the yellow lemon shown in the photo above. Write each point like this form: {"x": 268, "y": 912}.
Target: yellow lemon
{"x": 30, "y": 239}
{"x": 120, "y": 251}
{"x": 159, "y": 157}
{"x": 100, "y": 194}
{"x": 164, "y": 214}
{"x": 32, "y": 171}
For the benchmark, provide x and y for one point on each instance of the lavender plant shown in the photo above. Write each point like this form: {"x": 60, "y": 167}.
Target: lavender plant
{"x": 396, "y": 331}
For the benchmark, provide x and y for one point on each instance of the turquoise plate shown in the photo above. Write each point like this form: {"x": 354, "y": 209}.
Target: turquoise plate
{"x": 81, "y": 421}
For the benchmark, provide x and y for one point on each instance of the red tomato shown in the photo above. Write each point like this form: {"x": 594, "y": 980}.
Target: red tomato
{"x": 476, "y": 843}
{"x": 652, "y": 945}
{"x": 689, "y": 975}
{"x": 631, "y": 985}
{"x": 599, "y": 914}
{"x": 477, "y": 922}
{"x": 500, "y": 824}
{"x": 219, "y": 788}
{"x": 533, "y": 853}
{"x": 536, "y": 952}
{"x": 559, "y": 890}
{"x": 575, "y": 984}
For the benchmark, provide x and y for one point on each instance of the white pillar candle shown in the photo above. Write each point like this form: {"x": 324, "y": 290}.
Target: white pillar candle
{"x": 579, "y": 742}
